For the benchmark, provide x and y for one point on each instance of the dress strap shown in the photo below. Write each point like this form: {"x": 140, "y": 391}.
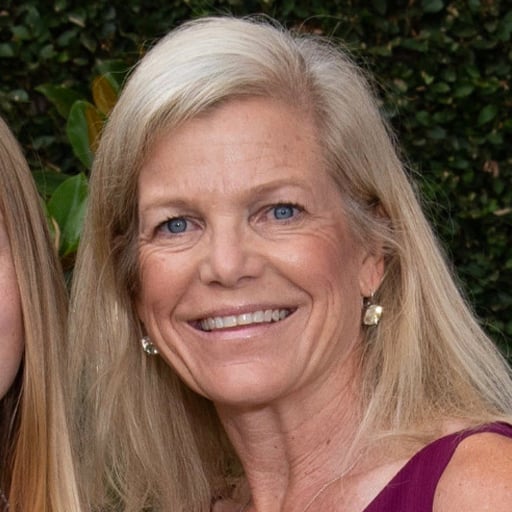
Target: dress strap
{"x": 413, "y": 487}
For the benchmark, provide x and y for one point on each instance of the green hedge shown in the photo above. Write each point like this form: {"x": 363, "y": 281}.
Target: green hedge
{"x": 443, "y": 71}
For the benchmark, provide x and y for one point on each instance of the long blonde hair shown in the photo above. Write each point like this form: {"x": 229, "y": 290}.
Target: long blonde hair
{"x": 36, "y": 468}
{"x": 142, "y": 435}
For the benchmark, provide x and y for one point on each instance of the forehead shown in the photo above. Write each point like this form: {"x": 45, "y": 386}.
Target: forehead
{"x": 252, "y": 138}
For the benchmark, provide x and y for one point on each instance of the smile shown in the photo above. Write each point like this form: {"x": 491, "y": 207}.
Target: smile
{"x": 230, "y": 321}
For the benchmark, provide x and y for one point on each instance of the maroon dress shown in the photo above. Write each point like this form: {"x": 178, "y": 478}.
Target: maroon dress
{"x": 414, "y": 486}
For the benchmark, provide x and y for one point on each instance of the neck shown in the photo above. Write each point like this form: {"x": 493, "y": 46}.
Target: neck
{"x": 294, "y": 447}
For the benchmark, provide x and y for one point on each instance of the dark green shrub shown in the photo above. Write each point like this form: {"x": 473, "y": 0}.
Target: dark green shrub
{"x": 443, "y": 70}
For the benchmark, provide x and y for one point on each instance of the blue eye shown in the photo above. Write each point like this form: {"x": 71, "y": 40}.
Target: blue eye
{"x": 176, "y": 225}
{"x": 284, "y": 211}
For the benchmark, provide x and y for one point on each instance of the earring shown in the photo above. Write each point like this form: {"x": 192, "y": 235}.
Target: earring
{"x": 372, "y": 312}
{"x": 148, "y": 346}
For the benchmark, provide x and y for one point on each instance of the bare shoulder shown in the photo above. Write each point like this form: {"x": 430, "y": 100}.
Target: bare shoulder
{"x": 479, "y": 476}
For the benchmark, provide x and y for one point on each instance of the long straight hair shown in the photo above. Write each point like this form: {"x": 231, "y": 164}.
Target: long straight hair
{"x": 36, "y": 469}
{"x": 141, "y": 435}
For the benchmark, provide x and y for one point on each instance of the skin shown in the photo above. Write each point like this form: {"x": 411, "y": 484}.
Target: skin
{"x": 11, "y": 326}
{"x": 237, "y": 214}
{"x": 478, "y": 477}
{"x": 224, "y": 174}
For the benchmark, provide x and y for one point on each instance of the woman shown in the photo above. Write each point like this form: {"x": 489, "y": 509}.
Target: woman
{"x": 249, "y": 223}
{"x": 36, "y": 469}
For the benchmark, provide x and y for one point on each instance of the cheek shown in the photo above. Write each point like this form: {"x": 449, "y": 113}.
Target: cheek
{"x": 163, "y": 279}
{"x": 327, "y": 260}
{"x": 327, "y": 268}
{"x": 11, "y": 329}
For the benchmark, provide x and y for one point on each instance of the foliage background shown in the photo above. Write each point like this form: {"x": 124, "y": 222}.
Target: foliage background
{"x": 443, "y": 70}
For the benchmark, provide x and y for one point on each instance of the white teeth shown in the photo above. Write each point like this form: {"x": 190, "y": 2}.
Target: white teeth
{"x": 244, "y": 319}
{"x": 257, "y": 317}
{"x": 230, "y": 321}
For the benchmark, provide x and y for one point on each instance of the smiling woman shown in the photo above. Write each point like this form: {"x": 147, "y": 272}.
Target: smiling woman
{"x": 36, "y": 469}
{"x": 250, "y": 222}
{"x": 245, "y": 251}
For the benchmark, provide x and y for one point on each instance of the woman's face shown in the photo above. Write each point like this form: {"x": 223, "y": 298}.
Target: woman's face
{"x": 251, "y": 281}
{"x": 11, "y": 325}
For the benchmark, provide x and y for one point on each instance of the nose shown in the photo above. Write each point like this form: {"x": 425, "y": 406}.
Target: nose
{"x": 231, "y": 257}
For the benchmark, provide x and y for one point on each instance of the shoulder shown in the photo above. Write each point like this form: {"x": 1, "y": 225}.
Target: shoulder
{"x": 479, "y": 476}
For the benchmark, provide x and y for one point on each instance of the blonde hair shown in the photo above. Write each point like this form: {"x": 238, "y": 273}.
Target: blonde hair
{"x": 428, "y": 360}
{"x": 36, "y": 467}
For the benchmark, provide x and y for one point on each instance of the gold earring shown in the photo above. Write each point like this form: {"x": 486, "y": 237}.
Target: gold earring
{"x": 148, "y": 346}
{"x": 372, "y": 313}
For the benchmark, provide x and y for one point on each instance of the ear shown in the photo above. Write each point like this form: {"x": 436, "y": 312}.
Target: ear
{"x": 371, "y": 274}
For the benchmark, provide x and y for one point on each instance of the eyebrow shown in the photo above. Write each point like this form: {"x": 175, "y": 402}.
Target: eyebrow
{"x": 258, "y": 191}
{"x": 271, "y": 186}
{"x": 164, "y": 202}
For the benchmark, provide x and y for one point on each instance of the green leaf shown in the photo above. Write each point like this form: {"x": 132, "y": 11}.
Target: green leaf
{"x": 19, "y": 95}
{"x": 61, "y": 97}
{"x": 491, "y": 26}
{"x": 82, "y": 128}
{"x": 48, "y": 181}
{"x": 88, "y": 41}
{"x": 59, "y": 5}
{"x": 449, "y": 75}
{"x": 432, "y": 5}
{"x": 47, "y": 52}
{"x": 437, "y": 133}
{"x": 78, "y": 17}
{"x": 463, "y": 90}
{"x": 495, "y": 138}
{"x": 400, "y": 85}
{"x": 505, "y": 28}
{"x": 415, "y": 44}
{"x": 466, "y": 32}
{"x": 472, "y": 71}
{"x": 474, "y": 5}
{"x": 6, "y": 50}
{"x": 427, "y": 78}
{"x": 440, "y": 88}
{"x": 114, "y": 71}
{"x": 67, "y": 37}
{"x": 423, "y": 118}
{"x": 67, "y": 207}
{"x": 487, "y": 114}
{"x": 20, "y": 33}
